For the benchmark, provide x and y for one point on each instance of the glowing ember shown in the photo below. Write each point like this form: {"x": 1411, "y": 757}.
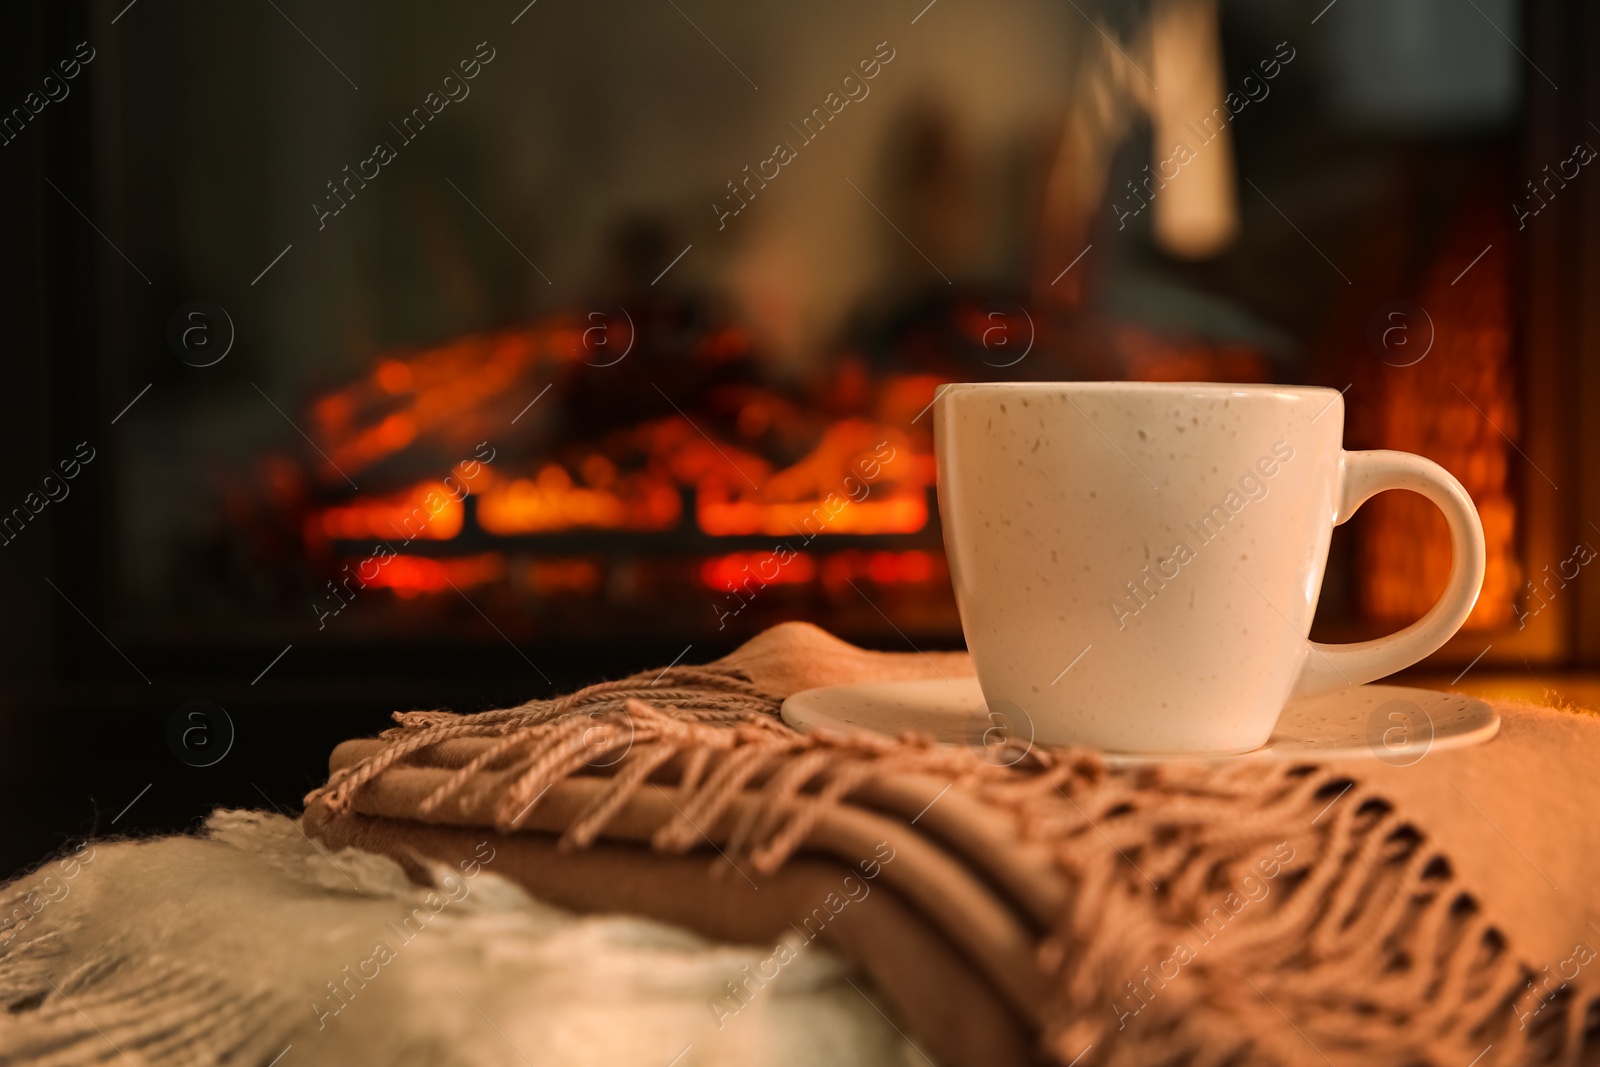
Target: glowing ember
{"x": 552, "y": 577}
{"x": 450, "y": 392}
{"x": 728, "y": 573}
{"x": 906, "y": 512}
{"x": 704, "y": 473}
{"x": 862, "y": 478}
{"x": 552, "y": 502}
{"x": 410, "y": 575}
{"x": 428, "y": 511}
{"x": 884, "y": 568}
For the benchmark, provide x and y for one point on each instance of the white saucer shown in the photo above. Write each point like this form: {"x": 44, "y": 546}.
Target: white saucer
{"x": 1396, "y": 724}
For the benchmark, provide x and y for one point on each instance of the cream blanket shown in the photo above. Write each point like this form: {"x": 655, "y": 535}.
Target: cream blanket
{"x": 250, "y": 945}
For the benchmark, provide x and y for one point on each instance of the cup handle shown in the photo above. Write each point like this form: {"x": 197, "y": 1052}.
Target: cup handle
{"x": 1329, "y": 668}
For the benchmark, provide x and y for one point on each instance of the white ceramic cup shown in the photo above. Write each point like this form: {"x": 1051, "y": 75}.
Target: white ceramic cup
{"x": 1137, "y": 564}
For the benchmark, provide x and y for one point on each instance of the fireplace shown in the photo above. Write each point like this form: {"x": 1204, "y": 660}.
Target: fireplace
{"x": 569, "y": 369}
{"x": 617, "y": 473}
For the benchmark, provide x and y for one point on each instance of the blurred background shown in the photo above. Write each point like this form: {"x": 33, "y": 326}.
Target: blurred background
{"x": 375, "y": 357}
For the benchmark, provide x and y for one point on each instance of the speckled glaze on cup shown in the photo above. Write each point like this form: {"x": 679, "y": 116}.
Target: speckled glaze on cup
{"x": 1137, "y": 564}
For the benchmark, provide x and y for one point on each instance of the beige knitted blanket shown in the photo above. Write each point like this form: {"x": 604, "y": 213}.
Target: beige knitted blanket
{"x": 1037, "y": 907}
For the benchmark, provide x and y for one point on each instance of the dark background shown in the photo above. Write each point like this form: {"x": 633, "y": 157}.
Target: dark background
{"x": 84, "y": 732}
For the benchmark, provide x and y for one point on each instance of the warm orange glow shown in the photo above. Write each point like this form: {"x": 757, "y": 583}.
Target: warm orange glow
{"x": 450, "y": 393}
{"x": 691, "y": 459}
{"x": 1152, "y": 357}
{"x": 552, "y": 502}
{"x": 745, "y": 570}
{"x": 1459, "y": 407}
{"x": 884, "y": 568}
{"x": 733, "y": 571}
{"x": 462, "y": 391}
{"x": 410, "y": 575}
{"x": 599, "y": 471}
{"x": 861, "y": 478}
{"x": 906, "y": 512}
{"x": 728, "y": 343}
{"x": 550, "y": 577}
{"x": 393, "y": 376}
{"x": 867, "y": 474}
{"x": 426, "y": 511}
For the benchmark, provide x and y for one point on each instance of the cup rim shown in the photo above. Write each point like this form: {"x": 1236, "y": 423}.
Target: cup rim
{"x": 1240, "y": 389}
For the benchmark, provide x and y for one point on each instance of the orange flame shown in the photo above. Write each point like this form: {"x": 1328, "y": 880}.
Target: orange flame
{"x": 552, "y": 502}
{"x": 730, "y": 572}
{"x": 863, "y": 476}
{"x": 427, "y": 511}
{"x": 410, "y": 575}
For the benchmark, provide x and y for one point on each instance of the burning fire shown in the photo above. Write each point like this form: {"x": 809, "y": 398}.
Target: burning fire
{"x": 731, "y": 572}
{"x": 785, "y": 502}
{"x": 410, "y": 575}
{"x": 551, "y": 501}
{"x": 408, "y": 515}
{"x": 714, "y": 475}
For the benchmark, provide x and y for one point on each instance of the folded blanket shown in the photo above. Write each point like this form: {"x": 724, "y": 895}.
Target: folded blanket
{"x": 1037, "y": 906}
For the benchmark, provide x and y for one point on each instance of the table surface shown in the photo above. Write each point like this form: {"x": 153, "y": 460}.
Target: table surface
{"x": 1560, "y": 688}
